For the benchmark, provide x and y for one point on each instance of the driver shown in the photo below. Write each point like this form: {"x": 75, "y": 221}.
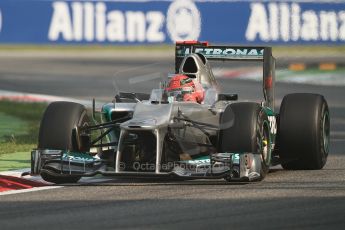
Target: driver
{"x": 184, "y": 88}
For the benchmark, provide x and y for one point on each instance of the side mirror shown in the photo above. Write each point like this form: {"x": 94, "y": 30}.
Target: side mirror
{"x": 227, "y": 97}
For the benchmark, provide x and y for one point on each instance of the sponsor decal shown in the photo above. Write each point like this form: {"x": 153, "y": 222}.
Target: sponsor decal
{"x": 288, "y": 22}
{"x": 78, "y": 157}
{"x": 236, "y": 157}
{"x": 183, "y": 21}
{"x": 224, "y": 52}
{"x": 198, "y": 161}
{"x": 0, "y": 20}
{"x": 273, "y": 124}
{"x": 93, "y": 22}
{"x": 161, "y": 21}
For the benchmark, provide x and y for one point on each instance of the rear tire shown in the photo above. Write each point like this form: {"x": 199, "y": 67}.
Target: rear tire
{"x": 304, "y": 131}
{"x": 57, "y": 132}
{"x": 245, "y": 128}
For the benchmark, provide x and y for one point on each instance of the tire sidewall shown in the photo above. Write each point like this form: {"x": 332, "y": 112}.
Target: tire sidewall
{"x": 322, "y": 135}
{"x": 57, "y": 131}
{"x": 303, "y": 140}
{"x": 245, "y": 134}
{"x": 263, "y": 130}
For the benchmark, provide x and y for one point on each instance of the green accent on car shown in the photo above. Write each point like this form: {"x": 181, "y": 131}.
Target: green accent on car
{"x": 236, "y": 158}
{"x": 106, "y": 111}
{"x": 206, "y": 159}
{"x": 269, "y": 111}
{"x": 199, "y": 160}
{"x": 78, "y": 156}
{"x": 269, "y": 153}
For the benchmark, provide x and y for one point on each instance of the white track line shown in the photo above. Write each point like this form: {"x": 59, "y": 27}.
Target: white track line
{"x": 31, "y": 97}
{"x": 18, "y": 173}
{"x": 21, "y": 96}
{"x": 28, "y": 190}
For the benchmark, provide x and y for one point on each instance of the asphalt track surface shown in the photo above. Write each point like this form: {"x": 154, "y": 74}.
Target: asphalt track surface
{"x": 284, "y": 200}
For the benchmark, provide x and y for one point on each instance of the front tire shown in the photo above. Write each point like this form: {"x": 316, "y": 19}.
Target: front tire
{"x": 245, "y": 128}
{"x": 304, "y": 131}
{"x": 57, "y": 132}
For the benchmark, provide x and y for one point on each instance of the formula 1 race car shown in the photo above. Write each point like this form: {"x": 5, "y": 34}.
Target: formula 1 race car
{"x": 186, "y": 128}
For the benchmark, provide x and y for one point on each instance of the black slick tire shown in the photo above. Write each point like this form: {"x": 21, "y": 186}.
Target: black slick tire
{"x": 244, "y": 126}
{"x": 57, "y": 132}
{"x": 304, "y": 131}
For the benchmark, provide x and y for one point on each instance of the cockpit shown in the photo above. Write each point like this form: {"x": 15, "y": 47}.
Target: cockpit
{"x": 196, "y": 66}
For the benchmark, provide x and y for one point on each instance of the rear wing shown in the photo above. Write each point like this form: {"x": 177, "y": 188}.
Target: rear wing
{"x": 234, "y": 53}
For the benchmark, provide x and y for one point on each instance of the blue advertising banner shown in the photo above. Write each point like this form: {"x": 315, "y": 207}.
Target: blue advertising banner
{"x": 154, "y": 22}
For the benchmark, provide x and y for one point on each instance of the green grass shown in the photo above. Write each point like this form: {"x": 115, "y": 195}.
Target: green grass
{"x": 19, "y": 126}
{"x": 10, "y": 125}
{"x": 14, "y": 161}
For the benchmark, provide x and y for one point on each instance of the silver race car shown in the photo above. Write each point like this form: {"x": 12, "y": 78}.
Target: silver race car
{"x": 186, "y": 128}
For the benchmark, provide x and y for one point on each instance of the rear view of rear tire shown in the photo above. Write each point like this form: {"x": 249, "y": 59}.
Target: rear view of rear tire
{"x": 304, "y": 131}
{"x": 56, "y": 132}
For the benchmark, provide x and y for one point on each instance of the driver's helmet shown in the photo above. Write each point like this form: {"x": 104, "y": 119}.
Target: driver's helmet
{"x": 183, "y": 88}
